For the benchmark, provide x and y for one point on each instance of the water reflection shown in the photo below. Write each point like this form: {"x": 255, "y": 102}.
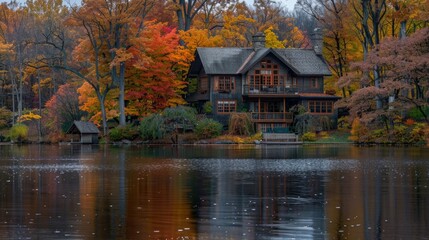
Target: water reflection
{"x": 213, "y": 192}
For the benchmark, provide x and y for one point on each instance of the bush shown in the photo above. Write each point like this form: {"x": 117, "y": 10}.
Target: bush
{"x": 5, "y": 117}
{"x": 416, "y": 113}
{"x": 18, "y": 132}
{"x": 153, "y": 127}
{"x": 208, "y": 128}
{"x": 207, "y": 107}
{"x": 241, "y": 124}
{"x": 180, "y": 114}
{"x": 309, "y": 137}
{"x": 128, "y": 132}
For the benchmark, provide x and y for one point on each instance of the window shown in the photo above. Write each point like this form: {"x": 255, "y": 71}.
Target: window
{"x": 267, "y": 75}
{"x": 320, "y": 106}
{"x": 314, "y": 83}
{"x": 226, "y": 106}
{"x": 224, "y": 83}
{"x": 203, "y": 85}
{"x": 292, "y": 82}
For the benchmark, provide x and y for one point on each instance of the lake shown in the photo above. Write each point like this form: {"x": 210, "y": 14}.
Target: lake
{"x": 214, "y": 192}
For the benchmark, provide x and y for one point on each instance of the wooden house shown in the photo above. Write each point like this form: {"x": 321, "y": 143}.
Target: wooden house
{"x": 84, "y": 132}
{"x": 266, "y": 82}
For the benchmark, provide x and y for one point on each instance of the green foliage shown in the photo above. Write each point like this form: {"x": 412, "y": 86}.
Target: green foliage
{"x": 298, "y": 109}
{"x": 18, "y": 132}
{"x": 309, "y": 137}
{"x": 208, "y": 128}
{"x": 416, "y": 113}
{"x": 208, "y": 107}
{"x": 5, "y": 117}
{"x": 192, "y": 85}
{"x": 304, "y": 123}
{"x": 153, "y": 127}
{"x": 408, "y": 132}
{"x": 128, "y": 132}
{"x": 180, "y": 115}
{"x": 343, "y": 123}
{"x": 241, "y": 124}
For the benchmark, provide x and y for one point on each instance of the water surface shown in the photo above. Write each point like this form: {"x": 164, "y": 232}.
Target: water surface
{"x": 213, "y": 192}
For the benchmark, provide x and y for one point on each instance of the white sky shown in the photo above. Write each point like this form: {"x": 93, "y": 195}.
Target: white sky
{"x": 289, "y": 4}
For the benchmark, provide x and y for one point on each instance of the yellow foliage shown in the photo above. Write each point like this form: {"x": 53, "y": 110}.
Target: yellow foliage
{"x": 28, "y": 117}
{"x": 194, "y": 38}
{"x": 271, "y": 39}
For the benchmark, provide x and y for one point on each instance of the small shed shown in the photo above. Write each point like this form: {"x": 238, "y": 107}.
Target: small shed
{"x": 87, "y": 131}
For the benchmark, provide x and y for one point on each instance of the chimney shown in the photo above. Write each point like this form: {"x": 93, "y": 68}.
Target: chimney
{"x": 258, "y": 41}
{"x": 317, "y": 40}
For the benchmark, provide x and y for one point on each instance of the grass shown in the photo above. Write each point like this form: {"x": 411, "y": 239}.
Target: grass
{"x": 333, "y": 137}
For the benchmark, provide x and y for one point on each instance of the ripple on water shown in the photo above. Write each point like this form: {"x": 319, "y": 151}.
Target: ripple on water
{"x": 271, "y": 165}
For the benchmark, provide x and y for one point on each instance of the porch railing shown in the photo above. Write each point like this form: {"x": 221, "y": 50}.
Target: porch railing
{"x": 283, "y": 117}
{"x": 265, "y": 89}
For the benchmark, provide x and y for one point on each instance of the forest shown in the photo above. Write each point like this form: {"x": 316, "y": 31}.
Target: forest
{"x": 119, "y": 62}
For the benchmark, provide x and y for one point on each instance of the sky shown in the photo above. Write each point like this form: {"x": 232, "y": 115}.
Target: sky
{"x": 289, "y": 4}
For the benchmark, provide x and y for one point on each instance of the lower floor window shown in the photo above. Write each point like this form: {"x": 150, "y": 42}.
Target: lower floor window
{"x": 226, "y": 106}
{"x": 320, "y": 106}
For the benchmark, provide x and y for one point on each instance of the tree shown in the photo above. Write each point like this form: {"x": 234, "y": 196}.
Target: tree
{"x": 158, "y": 66}
{"x": 404, "y": 66}
{"x": 63, "y": 109}
{"x": 186, "y": 10}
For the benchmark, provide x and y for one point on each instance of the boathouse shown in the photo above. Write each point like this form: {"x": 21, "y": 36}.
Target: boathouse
{"x": 84, "y": 132}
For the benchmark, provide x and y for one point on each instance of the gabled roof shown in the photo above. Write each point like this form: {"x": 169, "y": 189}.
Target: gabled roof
{"x": 83, "y": 127}
{"x": 303, "y": 62}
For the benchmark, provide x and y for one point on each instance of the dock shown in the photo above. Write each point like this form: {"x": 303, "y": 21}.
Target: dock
{"x": 280, "y": 138}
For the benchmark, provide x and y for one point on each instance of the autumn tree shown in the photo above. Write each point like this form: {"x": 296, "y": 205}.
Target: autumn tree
{"x": 62, "y": 109}
{"x": 14, "y": 27}
{"x": 404, "y": 65}
{"x": 158, "y": 67}
{"x": 340, "y": 44}
{"x": 186, "y": 10}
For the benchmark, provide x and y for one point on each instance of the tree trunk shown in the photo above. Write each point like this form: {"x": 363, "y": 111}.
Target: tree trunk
{"x": 122, "y": 120}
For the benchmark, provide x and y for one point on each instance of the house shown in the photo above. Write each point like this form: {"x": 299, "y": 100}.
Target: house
{"x": 263, "y": 81}
{"x": 87, "y": 132}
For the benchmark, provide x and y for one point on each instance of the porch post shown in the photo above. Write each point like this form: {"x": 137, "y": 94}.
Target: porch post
{"x": 284, "y": 109}
{"x": 259, "y": 108}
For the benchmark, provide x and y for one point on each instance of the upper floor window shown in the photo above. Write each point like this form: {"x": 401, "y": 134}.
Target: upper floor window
{"x": 203, "y": 85}
{"x": 314, "y": 83}
{"x": 226, "y": 106}
{"x": 224, "y": 84}
{"x": 267, "y": 75}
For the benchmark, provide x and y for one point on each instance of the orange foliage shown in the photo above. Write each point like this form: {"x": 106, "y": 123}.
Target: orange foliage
{"x": 159, "y": 64}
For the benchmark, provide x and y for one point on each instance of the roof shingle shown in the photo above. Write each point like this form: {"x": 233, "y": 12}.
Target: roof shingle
{"x": 303, "y": 62}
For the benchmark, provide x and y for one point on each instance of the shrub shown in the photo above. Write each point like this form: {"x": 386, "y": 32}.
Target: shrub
{"x": 208, "y": 128}
{"x": 343, "y": 123}
{"x": 359, "y": 132}
{"x": 18, "y": 132}
{"x": 5, "y": 117}
{"x": 416, "y": 113}
{"x": 128, "y": 132}
{"x": 153, "y": 127}
{"x": 324, "y": 134}
{"x": 241, "y": 124}
{"x": 309, "y": 137}
{"x": 180, "y": 114}
{"x": 207, "y": 107}
{"x": 304, "y": 123}
{"x": 418, "y": 133}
